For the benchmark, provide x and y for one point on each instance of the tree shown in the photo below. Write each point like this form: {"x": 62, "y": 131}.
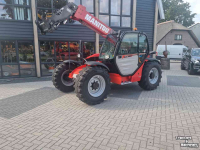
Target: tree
{"x": 179, "y": 11}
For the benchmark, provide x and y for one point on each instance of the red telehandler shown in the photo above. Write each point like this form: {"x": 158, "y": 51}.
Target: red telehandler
{"x": 123, "y": 59}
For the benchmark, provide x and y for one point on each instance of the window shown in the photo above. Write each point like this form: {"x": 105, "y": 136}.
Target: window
{"x": 88, "y": 49}
{"x": 27, "y": 70}
{"x": 49, "y": 6}
{"x": 10, "y": 70}
{"x": 89, "y": 5}
{"x": 16, "y": 9}
{"x": 178, "y": 37}
{"x": 66, "y": 51}
{"x": 104, "y": 6}
{"x": 126, "y": 21}
{"x": 142, "y": 43}
{"x": 47, "y": 53}
{"x": 53, "y": 53}
{"x": 129, "y": 44}
{"x": 44, "y": 3}
{"x": 8, "y": 52}
{"x": 196, "y": 52}
{"x": 116, "y": 13}
{"x": 42, "y": 11}
{"x": 104, "y": 19}
{"x": 17, "y": 59}
{"x": 57, "y": 4}
{"x": 26, "y": 52}
{"x": 115, "y": 7}
{"x": 77, "y": 2}
{"x": 126, "y": 10}
{"x": 6, "y": 12}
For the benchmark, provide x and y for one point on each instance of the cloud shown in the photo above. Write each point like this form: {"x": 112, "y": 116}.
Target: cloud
{"x": 197, "y": 18}
{"x": 195, "y": 5}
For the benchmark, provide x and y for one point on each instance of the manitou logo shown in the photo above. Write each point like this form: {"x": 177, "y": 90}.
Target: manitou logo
{"x": 96, "y": 23}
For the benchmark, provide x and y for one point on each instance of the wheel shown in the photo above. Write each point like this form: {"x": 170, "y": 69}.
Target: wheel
{"x": 190, "y": 70}
{"x": 182, "y": 66}
{"x": 151, "y": 76}
{"x": 60, "y": 77}
{"x": 92, "y": 85}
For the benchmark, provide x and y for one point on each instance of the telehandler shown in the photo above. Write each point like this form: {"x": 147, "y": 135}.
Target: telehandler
{"x": 123, "y": 59}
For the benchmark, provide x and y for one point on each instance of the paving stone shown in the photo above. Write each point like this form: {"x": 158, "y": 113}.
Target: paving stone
{"x": 16, "y": 105}
{"x": 34, "y": 115}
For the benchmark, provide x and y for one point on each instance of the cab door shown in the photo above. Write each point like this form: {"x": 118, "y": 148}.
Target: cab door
{"x": 127, "y": 56}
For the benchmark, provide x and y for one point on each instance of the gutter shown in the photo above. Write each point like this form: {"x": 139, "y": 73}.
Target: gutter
{"x": 161, "y": 10}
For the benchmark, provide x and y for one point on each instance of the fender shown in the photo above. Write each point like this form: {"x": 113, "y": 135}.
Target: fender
{"x": 95, "y": 63}
{"x": 93, "y": 56}
{"x": 72, "y": 61}
{"x": 153, "y": 59}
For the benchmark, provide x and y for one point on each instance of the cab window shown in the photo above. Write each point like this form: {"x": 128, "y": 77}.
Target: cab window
{"x": 142, "y": 43}
{"x": 129, "y": 44}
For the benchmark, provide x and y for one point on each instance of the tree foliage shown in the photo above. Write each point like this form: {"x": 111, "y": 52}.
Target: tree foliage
{"x": 179, "y": 11}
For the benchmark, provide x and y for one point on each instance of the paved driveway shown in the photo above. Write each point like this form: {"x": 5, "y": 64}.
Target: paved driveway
{"x": 34, "y": 115}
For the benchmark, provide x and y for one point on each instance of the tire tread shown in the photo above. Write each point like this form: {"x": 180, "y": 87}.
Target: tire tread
{"x": 144, "y": 83}
{"x": 82, "y": 76}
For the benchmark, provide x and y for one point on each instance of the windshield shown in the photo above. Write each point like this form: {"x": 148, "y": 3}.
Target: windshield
{"x": 196, "y": 52}
{"x": 108, "y": 47}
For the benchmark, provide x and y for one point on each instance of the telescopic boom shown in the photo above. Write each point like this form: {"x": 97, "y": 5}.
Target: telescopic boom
{"x": 72, "y": 12}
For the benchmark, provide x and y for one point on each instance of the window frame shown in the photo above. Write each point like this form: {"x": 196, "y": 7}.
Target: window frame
{"x": 13, "y": 5}
{"x": 176, "y": 35}
{"x": 18, "y": 60}
{"x": 121, "y": 15}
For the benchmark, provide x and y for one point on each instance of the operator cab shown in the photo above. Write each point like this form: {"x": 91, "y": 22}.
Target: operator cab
{"x": 126, "y": 50}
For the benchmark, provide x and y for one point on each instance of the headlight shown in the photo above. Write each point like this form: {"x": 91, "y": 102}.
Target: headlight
{"x": 78, "y": 55}
{"x": 107, "y": 56}
{"x": 195, "y": 61}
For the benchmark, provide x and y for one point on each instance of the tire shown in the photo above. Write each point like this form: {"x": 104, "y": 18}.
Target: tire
{"x": 190, "y": 70}
{"x": 85, "y": 78}
{"x": 182, "y": 66}
{"x": 147, "y": 79}
{"x": 60, "y": 78}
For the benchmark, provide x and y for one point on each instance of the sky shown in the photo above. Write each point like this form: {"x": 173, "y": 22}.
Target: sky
{"x": 195, "y": 8}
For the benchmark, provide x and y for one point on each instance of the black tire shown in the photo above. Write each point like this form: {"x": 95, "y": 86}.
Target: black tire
{"x": 190, "y": 70}
{"x": 58, "y": 75}
{"x": 81, "y": 85}
{"x": 145, "y": 83}
{"x": 182, "y": 66}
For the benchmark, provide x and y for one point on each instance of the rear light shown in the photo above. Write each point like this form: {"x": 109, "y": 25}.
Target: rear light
{"x": 156, "y": 53}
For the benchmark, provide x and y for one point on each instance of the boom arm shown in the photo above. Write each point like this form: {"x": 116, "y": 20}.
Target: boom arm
{"x": 78, "y": 13}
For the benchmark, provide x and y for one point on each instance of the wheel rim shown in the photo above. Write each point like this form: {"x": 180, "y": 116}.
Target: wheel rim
{"x": 65, "y": 78}
{"x": 153, "y": 75}
{"x": 96, "y": 86}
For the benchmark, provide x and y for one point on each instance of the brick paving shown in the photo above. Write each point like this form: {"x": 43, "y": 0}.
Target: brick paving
{"x": 130, "y": 119}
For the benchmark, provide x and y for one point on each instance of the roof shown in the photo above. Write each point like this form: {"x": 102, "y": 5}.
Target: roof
{"x": 165, "y": 27}
{"x": 193, "y": 25}
{"x": 161, "y": 10}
